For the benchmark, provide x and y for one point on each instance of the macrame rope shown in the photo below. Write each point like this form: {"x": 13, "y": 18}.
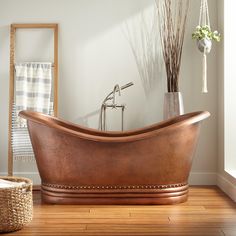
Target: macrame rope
{"x": 204, "y": 18}
{"x": 200, "y": 17}
{"x": 207, "y": 15}
{"x": 204, "y": 73}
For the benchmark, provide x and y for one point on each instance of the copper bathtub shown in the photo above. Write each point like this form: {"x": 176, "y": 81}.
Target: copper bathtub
{"x": 79, "y": 165}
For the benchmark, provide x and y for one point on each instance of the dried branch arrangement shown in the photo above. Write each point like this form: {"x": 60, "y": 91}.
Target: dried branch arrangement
{"x": 172, "y": 16}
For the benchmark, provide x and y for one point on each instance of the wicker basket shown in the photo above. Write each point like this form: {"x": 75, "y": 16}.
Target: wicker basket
{"x": 16, "y": 205}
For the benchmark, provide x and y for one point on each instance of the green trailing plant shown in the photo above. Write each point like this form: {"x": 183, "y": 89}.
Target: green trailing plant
{"x": 204, "y": 32}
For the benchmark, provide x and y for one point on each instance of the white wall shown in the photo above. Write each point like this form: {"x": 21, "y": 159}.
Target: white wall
{"x": 95, "y": 55}
{"x": 205, "y": 164}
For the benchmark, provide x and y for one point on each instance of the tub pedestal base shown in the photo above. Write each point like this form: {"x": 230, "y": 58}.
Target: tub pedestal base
{"x": 118, "y": 195}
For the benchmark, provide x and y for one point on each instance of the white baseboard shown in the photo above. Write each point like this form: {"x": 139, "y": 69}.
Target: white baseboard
{"x": 226, "y": 186}
{"x": 34, "y": 176}
{"x": 196, "y": 178}
{"x": 203, "y": 178}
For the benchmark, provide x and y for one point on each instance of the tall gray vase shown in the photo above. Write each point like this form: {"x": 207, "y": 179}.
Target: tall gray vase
{"x": 173, "y": 105}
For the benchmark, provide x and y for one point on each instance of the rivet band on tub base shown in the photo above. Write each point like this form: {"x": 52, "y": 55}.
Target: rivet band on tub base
{"x": 114, "y": 194}
{"x": 88, "y": 187}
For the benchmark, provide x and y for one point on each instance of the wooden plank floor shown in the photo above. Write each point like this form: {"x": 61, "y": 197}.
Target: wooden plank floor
{"x": 207, "y": 212}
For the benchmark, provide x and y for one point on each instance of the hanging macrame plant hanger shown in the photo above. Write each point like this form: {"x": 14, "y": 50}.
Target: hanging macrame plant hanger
{"x": 205, "y": 44}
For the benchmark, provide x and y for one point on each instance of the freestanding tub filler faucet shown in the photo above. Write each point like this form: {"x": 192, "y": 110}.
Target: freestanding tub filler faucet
{"x": 113, "y": 105}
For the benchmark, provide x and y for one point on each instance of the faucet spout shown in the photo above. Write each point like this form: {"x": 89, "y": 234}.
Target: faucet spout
{"x": 116, "y": 89}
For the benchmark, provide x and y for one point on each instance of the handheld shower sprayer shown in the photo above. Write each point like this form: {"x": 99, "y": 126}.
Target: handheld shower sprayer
{"x": 127, "y": 85}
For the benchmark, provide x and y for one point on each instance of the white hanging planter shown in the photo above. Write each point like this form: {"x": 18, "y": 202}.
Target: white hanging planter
{"x": 204, "y": 37}
{"x": 204, "y": 45}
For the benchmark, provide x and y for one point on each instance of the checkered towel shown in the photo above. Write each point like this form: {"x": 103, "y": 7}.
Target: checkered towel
{"x": 33, "y": 84}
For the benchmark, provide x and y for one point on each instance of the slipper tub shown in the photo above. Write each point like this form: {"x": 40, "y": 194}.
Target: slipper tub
{"x": 79, "y": 165}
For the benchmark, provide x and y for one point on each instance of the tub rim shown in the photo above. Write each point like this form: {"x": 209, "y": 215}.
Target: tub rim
{"x": 114, "y": 136}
